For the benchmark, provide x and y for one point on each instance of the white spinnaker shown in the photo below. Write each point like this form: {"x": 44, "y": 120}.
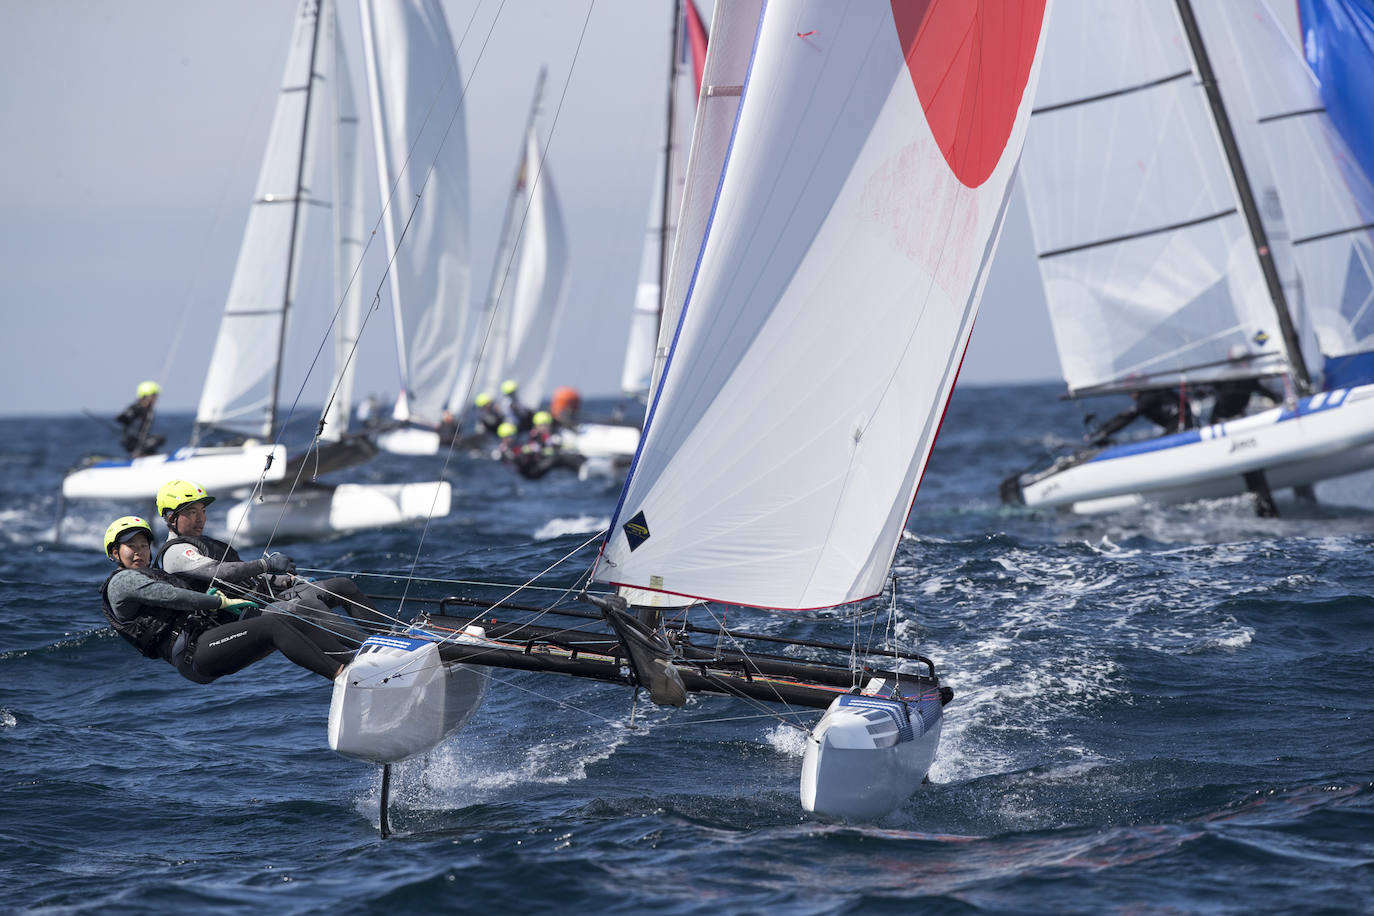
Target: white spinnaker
{"x": 240, "y": 381}
{"x": 1321, "y": 204}
{"x": 662, "y": 227}
{"x": 348, "y": 246}
{"x": 837, "y": 287}
{"x": 1147, "y": 265}
{"x": 539, "y": 282}
{"x": 727, "y": 62}
{"x": 418, "y": 125}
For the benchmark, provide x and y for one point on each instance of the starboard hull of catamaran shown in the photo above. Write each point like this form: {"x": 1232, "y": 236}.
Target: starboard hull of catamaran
{"x": 409, "y": 440}
{"x": 323, "y": 511}
{"x": 869, "y": 754}
{"x": 602, "y": 440}
{"x": 398, "y": 698}
{"x": 1328, "y": 435}
{"x": 215, "y": 468}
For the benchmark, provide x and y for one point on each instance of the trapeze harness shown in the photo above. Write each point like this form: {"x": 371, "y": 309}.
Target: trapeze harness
{"x": 165, "y": 633}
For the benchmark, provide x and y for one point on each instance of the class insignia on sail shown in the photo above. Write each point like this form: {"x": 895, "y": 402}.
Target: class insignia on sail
{"x": 636, "y": 530}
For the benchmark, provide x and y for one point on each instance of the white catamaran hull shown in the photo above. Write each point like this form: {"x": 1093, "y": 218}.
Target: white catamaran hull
{"x": 397, "y": 698}
{"x": 868, "y": 755}
{"x": 409, "y": 440}
{"x": 217, "y": 468}
{"x": 322, "y": 511}
{"x": 1330, "y": 434}
{"x": 602, "y": 440}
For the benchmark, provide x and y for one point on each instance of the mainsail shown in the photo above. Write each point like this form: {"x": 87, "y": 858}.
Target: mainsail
{"x": 528, "y": 283}
{"x": 1184, "y": 235}
{"x": 418, "y": 126}
{"x": 243, "y": 378}
{"x": 840, "y": 273}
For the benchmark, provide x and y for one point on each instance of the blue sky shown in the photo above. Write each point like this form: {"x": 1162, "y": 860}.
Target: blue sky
{"x": 134, "y": 132}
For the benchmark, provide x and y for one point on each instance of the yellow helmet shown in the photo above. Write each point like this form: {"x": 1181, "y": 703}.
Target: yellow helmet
{"x": 148, "y": 388}
{"x": 543, "y": 418}
{"x": 506, "y": 430}
{"x": 123, "y": 528}
{"x": 175, "y": 495}
{"x": 509, "y": 386}
{"x": 482, "y": 400}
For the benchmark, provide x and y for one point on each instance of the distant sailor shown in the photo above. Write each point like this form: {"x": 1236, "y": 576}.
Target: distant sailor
{"x": 205, "y": 562}
{"x": 489, "y": 416}
{"x": 565, "y": 405}
{"x": 514, "y": 411}
{"x": 204, "y": 636}
{"x": 1232, "y": 396}
{"x": 1165, "y": 407}
{"x": 136, "y": 435}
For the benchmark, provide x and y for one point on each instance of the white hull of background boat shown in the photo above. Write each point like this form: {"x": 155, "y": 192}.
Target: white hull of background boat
{"x": 601, "y": 440}
{"x": 869, "y": 754}
{"x": 409, "y": 440}
{"x": 1330, "y": 434}
{"x": 216, "y": 469}
{"x": 397, "y": 698}
{"x": 320, "y": 511}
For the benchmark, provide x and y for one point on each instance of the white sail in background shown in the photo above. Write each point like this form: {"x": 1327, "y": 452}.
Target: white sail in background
{"x": 1147, "y": 265}
{"x": 241, "y": 381}
{"x": 539, "y": 283}
{"x": 669, "y": 179}
{"x": 857, "y": 213}
{"x": 1317, "y": 204}
{"x": 348, "y": 247}
{"x": 418, "y": 125}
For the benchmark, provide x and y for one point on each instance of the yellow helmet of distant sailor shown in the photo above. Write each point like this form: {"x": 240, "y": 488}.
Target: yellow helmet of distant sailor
{"x": 506, "y": 430}
{"x": 146, "y": 389}
{"x": 509, "y": 386}
{"x": 123, "y": 528}
{"x": 175, "y": 495}
{"x": 543, "y": 418}
{"x": 482, "y": 400}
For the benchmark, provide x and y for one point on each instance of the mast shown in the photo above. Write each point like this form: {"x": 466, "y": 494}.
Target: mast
{"x": 296, "y": 201}
{"x": 1247, "y": 197}
{"x": 664, "y": 242}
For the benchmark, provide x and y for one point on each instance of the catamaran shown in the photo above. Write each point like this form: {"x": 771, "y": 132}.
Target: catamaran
{"x": 854, "y": 212}
{"x": 1199, "y": 222}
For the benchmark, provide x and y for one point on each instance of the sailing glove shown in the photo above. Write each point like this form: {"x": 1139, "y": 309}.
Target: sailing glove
{"x": 278, "y": 563}
{"x": 230, "y": 603}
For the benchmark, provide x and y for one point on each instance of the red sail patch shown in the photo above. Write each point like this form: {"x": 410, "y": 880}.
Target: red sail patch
{"x": 969, "y": 61}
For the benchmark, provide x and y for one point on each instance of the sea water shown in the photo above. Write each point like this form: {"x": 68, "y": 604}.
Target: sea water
{"x": 1162, "y": 710}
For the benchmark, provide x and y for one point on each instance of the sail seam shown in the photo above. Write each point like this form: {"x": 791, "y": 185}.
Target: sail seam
{"x": 1098, "y": 243}
{"x": 1127, "y": 90}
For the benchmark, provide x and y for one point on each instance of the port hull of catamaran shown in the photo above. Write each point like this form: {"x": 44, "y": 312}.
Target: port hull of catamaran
{"x": 215, "y": 468}
{"x": 316, "y": 511}
{"x": 869, "y": 754}
{"x": 397, "y": 698}
{"x": 1329, "y": 435}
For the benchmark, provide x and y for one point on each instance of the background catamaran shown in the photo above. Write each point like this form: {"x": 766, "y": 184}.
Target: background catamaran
{"x": 1199, "y": 221}
{"x": 837, "y": 280}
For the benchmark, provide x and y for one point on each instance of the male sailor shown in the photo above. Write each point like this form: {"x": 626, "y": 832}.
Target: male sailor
{"x": 489, "y": 416}
{"x": 1231, "y": 397}
{"x": 136, "y": 422}
{"x": 204, "y": 636}
{"x": 515, "y": 412}
{"x": 205, "y": 561}
{"x": 1165, "y": 407}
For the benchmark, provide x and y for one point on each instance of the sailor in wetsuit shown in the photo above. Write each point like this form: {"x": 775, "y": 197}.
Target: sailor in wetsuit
{"x": 1164, "y": 407}
{"x": 204, "y": 636}
{"x": 136, "y": 423}
{"x": 205, "y": 561}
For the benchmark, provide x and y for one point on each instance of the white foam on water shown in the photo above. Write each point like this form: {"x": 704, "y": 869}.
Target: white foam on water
{"x": 582, "y": 524}
{"x": 7, "y": 719}
{"x": 787, "y": 740}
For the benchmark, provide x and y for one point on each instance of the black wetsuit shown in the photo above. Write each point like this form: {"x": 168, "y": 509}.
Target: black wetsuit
{"x": 136, "y": 435}
{"x": 187, "y": 629}
{"x": 1160, "y": 406}
{"x": 1232, "y": 397}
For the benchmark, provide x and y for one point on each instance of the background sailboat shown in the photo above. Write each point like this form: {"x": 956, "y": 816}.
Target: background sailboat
{"x": 1189, "y": 238}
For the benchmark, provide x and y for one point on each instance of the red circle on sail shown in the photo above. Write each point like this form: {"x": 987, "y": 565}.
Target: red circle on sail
{"x": 969, "y": 61}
